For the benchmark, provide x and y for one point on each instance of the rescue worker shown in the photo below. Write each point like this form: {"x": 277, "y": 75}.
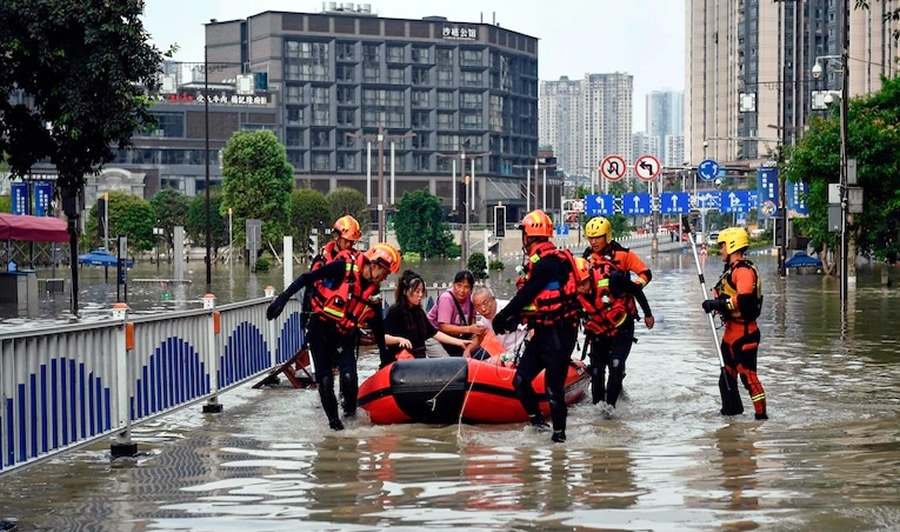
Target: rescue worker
{"x": 344, "y": 235}
{"x": 345, "y": 296}
{"x": 611, "y": 349}
{"x": 546, "y": 299}
{"x": 738, "y": 300}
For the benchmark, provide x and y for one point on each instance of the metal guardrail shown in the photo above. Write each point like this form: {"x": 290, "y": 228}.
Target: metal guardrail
{"x": 72, "y": 384}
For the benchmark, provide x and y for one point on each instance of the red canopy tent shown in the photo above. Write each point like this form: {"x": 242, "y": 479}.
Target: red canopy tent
{"x": 33, "y": 228}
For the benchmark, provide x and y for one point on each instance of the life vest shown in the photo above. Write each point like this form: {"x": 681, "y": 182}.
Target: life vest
{"x": 727, "y": 286}
{"x": 492, "y": 344}
{"x": 613, "y": 255}
{"x": 604, "y": 311}
{"x": 557, "y": 300}
{"x": 328, "y": 253}
{"x": 347, "y": 303}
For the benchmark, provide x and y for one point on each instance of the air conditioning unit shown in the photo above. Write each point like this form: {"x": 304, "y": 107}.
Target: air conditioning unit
{"x": 365, "y": 8}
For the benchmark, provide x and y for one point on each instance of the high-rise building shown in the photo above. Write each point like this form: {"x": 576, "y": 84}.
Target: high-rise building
{"x": 665, "y": 116}
{"x": 446, "y": 86}
{"x": 748, "y": 78}
{"x": 643, "y": 143}
{"x": 674, "y": 151}
{"x": 588, "y": 119}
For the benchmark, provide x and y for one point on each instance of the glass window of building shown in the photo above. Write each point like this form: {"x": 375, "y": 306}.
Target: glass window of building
{"x": 445, "y": 78}
{"x": 371, "y": 54}
{"x": 422, "y": 163}
{"x": 346, "y": 73}
{"x": 397, "y": 75}
{"x": 294, "y": 137}
{"x": 421, "y": 55}
{"x": 395, "y": 54}
{"x": 445, "y": 120}
{"x": 470, "y": 100}
{"x": 420, "y": 99}
{"x": 346, "y": 95}
{"x": 321, "y": 161}
{"x": 294, "y": 94}
{"x": 470, "y": 120}
{"x": 297, "y": 158}
{"x": 346, "y": 162}
{"x": 346, "y": 117}
{"x": 295, "y": 116}
{"x": 420, "y": 76}
{"x": 470, "y": 57}
{"x": 321, "y": 115}
{"x": 447, "y": 142}
{"x": 345, "y": 51}
{"x": 371, "y": 73}
{"x": 421, "y": 119}
{"x": 169, "y": 124}
{"x": 421, "y": 141}
{"x": 471, "y": 79}
{"x": 444, "y": 58}
{"x": 445, "y": 100}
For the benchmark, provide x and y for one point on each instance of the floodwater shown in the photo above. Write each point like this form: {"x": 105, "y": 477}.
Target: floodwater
{"x": 827, "y": 459}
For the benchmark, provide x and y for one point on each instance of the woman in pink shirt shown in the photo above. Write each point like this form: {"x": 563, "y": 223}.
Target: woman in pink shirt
{"x": 454, "y": 314}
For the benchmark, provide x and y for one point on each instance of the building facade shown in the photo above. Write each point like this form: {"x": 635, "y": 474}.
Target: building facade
{"x": 665, "y": 118}
{"x": 749, "y": 83}
{"x": 588, "y": 119}
{"x": 345, "y": 76}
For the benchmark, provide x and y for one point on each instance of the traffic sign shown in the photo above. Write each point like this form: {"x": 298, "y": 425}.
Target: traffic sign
{"x": 647, "y": 167}
{"x": 735, "y": 201}
{"x": 562, "y": 231}
{"x": 613, "y": 167}
{"x": 708, "y": 170}
{"x": 708, "y": 200}
{"x": 767, "y": 188}
{"x": 675, "y": 202}
{"x": 599, "y": 205}
{"x": 636, "y": 204}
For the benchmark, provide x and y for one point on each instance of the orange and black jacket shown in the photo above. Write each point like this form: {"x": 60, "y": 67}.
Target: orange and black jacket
{"x": 626, "y": 260}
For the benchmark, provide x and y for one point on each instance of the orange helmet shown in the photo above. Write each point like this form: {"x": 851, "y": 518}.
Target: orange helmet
{"x": 347, "y": 227}
{"x": 582, "y": 269}
{"x": 536, "y": 223}
{"x": 385, "y": 254}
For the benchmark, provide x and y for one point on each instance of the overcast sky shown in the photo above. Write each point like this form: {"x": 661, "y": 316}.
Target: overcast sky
{"x": 644, "y": 38}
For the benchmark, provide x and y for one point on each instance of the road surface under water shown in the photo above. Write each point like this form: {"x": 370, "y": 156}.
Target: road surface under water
{"x": 828, "y": 459}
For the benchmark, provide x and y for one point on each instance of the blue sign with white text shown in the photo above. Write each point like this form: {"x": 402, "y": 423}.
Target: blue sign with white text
{"x": 797, "y": 205}
{"x": 599, "y": 205}
{"x": 635, "y": 204}
{"x": 675, "y": 202}
{"x": 562, "y": 230}
{"x": 735, "y": 201}
{"x": 767, "y": 188}
{"x": 19, "y": 197}
{"x": 708, "y": 170}
{"x": 43, "y": 192}
{"x": 711, "y": 199}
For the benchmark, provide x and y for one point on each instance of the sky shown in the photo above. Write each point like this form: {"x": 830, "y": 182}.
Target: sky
{"x": 644, "y": 38}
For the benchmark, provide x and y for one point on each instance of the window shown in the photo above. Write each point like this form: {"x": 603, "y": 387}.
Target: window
{"x": 445, "y": 120}
{"x": 371, "y": 74}
{"x": 496, "y": 113}
{"x": 447, "y": 142}
{"x": 422, "y": 163}
{"x": 173, "y": 157}
{"x": 396, "y": 76}
{"x": 320, "y": 95}
{"x": 345, "y": 51}
{"x": 320, "y": 138}
{"x": 420, "y": 142}
{"x": 471, "y": 79}
{"x": 345, "y": 141}
{"x": 171, "y": 124}
{"x": 421, "y": 55}
{"x": 294, "y": 94}
{"x": 346, "y": 73}
{"x": 346, "y": 95}
{"x": 372, "y": 118}
{"x": 419, "y": 98}
{"x": 320, "y": 115}
{"x": 295, "y": 116}
{"x": 297, "y": 158}
{"x": 371, "y": 54}
{"x": 294, "y": 137}
{"x": 421, "y": 119}
{"x": 470, "y": 58}
{"x": 346, "y": 117}
{"x": 306, "y": 61}
{"x": 395, "y": 54}
{"x": 444, "y": 57}
{"x": 470, "y": 120}
{"x": 445, "y": 100}
{"x": 420, "y": 76}
{"x": 321, "y": 161}
{"x": 346, "y": 162}
{"x": 445, "y": 78}
{"x": 470, "y": 100}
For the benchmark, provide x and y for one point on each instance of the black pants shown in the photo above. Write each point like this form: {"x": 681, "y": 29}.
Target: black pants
{"x": 550, "y": 349}
{"x": 331, "y": 347}
{"x": 610, "y": 351}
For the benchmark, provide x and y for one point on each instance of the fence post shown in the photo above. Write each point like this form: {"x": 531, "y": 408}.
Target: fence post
{"x": 212, "y": 405}
{"x": 272, "y": 332}
{"x": 122, "y": 446}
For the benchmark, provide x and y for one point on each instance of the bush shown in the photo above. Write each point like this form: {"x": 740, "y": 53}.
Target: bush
{"x": 477, "y": 265}
{"x": 262, "y": 265}
{"x": 497, "y": 265}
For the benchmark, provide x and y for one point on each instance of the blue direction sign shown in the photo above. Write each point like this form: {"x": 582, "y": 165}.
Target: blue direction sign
{"x": 599, "y": 205}
{"x": 767, "y": 190}
{"x": 562, "y": 230}
{"x": 735, "y": 201}
{"x": 19, "y": 196}
{"x": 708, "y": 200}
{"x": 43, "y": 193}
{"x": 636, "y": 204}
{"x": 796, "y": 200}
{"x": 708, "y": 170}
{"x": 675, "y": 202}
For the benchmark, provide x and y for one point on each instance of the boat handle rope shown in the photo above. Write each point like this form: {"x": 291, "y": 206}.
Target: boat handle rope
{"x": 433, "y": 400}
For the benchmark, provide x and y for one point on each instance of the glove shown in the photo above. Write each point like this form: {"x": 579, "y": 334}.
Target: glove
{"x": 503, "y": 323}
{"x": 719, "y": 305}
{"x": 275, "y": 307}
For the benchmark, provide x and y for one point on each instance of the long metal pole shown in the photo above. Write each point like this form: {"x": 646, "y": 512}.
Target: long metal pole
{"x": 453, "y": 188}
{"x": 369, "y": 173}
{"x": 528, "y": 189}
{"x": 206, "y": 163}
{"x": 380, "y": 139}
{"x": 393, "y": 174}
{"x": 845, "y": 93}
{"x": 544, "y": 202}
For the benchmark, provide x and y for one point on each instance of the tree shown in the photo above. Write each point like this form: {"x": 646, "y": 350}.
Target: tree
{"x": 346, "y": 200}
{"x": 196, "y": 221}
{"x": 309, "y": 209}
{"x": 874, "y": 141}
{"x": 86, "y": 65}
{"x": 171, "y": 208}
{"x": 257, "y": 182}
{"x": 419, "y": 225}
{"x": 129, "y": 215}
{"x": 5, "y": 203}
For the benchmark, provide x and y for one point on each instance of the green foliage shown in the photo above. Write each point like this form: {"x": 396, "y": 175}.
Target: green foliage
{"x": 257, "y": 183}
{"x": 874, "y": 141}
{"x": 619, "y": 225}
{"x": 419, "y": 225}
{"x": 129, "y": 215}
{"x": 86, "y": 65}
{"x": 477, "y": 265}
{"x": 346, "y": 200}
{"x": 171, "y": 208}
{"x": 262, "y": 264}
{"x": 496, "y": 265}
{"x": 196, "y": 220}
{"x": 5, "y": 203}
{"x": 310, "y": 209}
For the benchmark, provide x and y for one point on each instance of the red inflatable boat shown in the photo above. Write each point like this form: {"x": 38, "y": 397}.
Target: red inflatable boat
{"x": 438, "y": 390}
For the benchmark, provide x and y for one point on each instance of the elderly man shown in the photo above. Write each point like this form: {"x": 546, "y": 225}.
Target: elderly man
{"x": 492, "y": 343}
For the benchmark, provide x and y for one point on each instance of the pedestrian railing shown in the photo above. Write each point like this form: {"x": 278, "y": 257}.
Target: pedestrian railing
{"x": 68, "y": 385}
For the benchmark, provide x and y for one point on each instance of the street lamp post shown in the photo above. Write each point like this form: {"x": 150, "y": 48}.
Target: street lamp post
{"x": 468, "y": 197}
{"x": 208, "y": 226}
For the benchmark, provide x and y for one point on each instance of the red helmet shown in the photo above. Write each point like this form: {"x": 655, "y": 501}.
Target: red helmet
{"x": 347, "y": 227}
{"x": 536, "y": 223}
{"x": 385, "y": 254}
{"x": 582, "y": 269}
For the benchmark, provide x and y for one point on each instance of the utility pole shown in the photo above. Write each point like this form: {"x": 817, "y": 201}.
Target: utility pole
{"x": 538, "y": 165}
{"x": 468, "y": 198}
{"x": 380, "y": 139}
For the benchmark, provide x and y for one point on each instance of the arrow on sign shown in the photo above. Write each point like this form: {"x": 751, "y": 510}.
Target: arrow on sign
{"x": 637, "y": 203}
{"x": 612, "y": 167}
{"x": 648, "y": 166}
